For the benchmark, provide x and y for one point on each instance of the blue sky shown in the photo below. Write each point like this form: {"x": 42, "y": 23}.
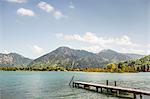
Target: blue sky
{"x": 35, "y": 27}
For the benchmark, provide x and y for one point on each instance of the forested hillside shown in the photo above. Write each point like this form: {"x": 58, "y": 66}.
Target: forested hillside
{"x": 139, "y": 65}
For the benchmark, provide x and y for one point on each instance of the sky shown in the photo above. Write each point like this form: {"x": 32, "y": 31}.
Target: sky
{"x": 35, "y": 27}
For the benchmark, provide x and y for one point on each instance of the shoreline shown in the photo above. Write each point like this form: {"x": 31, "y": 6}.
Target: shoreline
{"x": 58, "y": 69}
{"x": 67, "y": 71}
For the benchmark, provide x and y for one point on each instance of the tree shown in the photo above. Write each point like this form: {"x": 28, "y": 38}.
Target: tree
{"x": 111, "y": 67}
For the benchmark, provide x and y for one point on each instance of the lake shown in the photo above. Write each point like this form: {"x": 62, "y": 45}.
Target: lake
{"x": 54, "y": 85}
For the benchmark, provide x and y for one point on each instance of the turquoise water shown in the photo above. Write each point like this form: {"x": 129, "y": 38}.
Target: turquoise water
{"x": 54, "y": 85}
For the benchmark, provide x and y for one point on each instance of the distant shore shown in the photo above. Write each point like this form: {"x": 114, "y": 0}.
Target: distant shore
{"x": 129, "y": 70}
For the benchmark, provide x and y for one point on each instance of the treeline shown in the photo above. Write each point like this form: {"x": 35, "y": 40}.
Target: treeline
{"x": 32, "y": 69}
{"x": 52, "y": 69}
{"x": 110, "y": 68}
{"x": 121, "y": 67}
{"x": 138, "y": 65}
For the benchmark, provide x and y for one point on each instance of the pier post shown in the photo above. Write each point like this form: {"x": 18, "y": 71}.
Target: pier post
{"x": 101, "y": 90}
{"x": 84, "y": 86}
{"x": 107, "y": 85}
{"x": 111, "y": 90}
{"x": 115, "y": 83}
{"x": 117, "y": 92}
{"x": 134, "y": 95}
{"x": 106, "y": 82}
{"x": 78, "y": 85}
{"x": 140, "y": 96}
{"x": 73, "y": 84}
{"x": 96, "y": 89}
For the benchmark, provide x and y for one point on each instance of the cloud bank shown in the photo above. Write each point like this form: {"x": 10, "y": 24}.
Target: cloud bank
{"x": 50, "y": 9}
{"x": 25, "y": 12}
{"x": 97, "y": 43}
{"x": 17, "y": 1}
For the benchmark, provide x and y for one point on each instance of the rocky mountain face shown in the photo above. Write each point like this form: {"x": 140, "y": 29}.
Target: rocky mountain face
{"x": 70, "y": 58}
{"x": 113, "y": 56}
{"x": 13, "y": 59}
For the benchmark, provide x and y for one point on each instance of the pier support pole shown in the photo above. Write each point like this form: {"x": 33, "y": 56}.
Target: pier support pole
{"x": 140, "y": 96}
{"x": 115, "y": 83}
{"x": 106, "y": 82}
{"x": 134, "y": 95}
{"x": 111, "y": 91}
{"x": 78, "y": 85}
{"x": 117, "y": 92}
{"x": 84, "y": 86}
{"x": 73, "y": 84}
{"x": 101, "y": 90}
{"x": 96, "y": 89}
{"x": 107, "y": 85}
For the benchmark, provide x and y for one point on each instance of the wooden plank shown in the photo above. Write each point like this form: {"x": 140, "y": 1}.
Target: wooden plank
{"x": 137, "y": 91}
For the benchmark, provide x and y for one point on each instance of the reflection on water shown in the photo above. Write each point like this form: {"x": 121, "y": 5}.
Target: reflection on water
{"x": 54, "y": 85}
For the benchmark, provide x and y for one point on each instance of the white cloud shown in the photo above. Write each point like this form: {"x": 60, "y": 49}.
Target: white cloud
{"x": 17, "y": 1}
{"x": 91, "y": 38}
{"x": 46, "y": 7}
{"x": 58, "y": 14}
{"x": 25, "y": 12}
{"x": 50, "y": 9}
{"x": 5, "y": 51}
{"x": 37, "y": 49}
{"x": 94, "y": 48}
{"x": 96, "y": 43}
{"x": 73, "y": 37}
{"x": 125, "y": 40}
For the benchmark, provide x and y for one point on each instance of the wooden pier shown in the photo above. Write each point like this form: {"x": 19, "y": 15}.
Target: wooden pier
{"x": 110, "y": 89}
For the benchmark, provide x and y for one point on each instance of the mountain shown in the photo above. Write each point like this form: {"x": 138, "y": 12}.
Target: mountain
{"x": 139, "y": 62}
{"x": 13, "y": 59}
{"x": 142, "y": 64}
{"x": 69, "y": 58}
{"x": 135, "y": 56}
{"x": 113, "y": 56}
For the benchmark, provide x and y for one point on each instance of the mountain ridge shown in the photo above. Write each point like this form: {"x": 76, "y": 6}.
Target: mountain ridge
{"x": 13, "y": 59}
{"x": 67, "y": 57}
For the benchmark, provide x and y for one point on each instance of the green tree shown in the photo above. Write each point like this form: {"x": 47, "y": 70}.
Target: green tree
{"x": 111, "y": 67}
